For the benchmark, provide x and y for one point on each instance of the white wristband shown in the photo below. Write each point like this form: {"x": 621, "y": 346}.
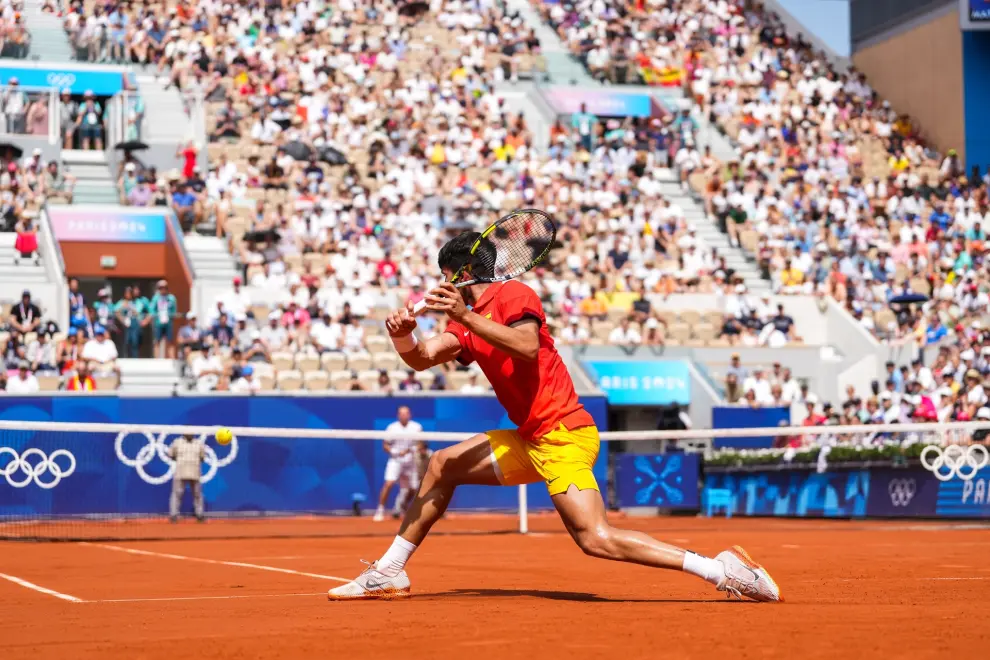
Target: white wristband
{"x": 405, "y": 343}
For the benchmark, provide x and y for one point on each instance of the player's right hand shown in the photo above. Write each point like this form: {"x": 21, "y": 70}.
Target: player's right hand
{"x": 401, "y": 321}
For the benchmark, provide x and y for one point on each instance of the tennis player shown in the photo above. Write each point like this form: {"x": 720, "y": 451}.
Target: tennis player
{"x": 502, "y": 327}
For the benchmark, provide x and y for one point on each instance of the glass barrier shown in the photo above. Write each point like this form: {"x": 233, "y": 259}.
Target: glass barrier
{"x": 28, "y": 112}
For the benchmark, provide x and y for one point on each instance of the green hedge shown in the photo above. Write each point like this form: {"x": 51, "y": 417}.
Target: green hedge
{"x": 840, "y": 454}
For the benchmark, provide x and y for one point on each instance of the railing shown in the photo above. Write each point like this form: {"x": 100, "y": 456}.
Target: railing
{"x": 54, "y": 268}
{"x": 126, "y": 120}
{"x": 38, "y": 115}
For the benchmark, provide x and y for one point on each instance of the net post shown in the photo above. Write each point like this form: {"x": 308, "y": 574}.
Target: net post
{"x": 523, "y": 511}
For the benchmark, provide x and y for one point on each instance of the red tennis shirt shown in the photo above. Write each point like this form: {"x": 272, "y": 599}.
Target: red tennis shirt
{"x": 538, "y": 395}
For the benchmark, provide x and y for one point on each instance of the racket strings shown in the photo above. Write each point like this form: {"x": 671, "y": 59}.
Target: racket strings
{"x": 514, "y": 246}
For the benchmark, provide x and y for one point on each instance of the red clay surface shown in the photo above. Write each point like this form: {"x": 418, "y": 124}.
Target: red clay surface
{"x": 854, "y": 590}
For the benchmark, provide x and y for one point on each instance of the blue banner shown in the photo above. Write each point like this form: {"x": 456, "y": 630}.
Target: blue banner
{"x": 737, "y": 417}
{"x": 964, "y": 499}
{"x": 101, "y": 473}
{"x": 650, "y": 383}
{"x": 902, "y": 493}
{"x": 669, "y": 481}
{"x": 794, "y": 492}
{"x": 978, "y": 10}
{"x": 77, "y": 78}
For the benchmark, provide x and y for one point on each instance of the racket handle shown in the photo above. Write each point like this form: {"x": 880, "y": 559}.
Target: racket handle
{"x": 419, "y": 308}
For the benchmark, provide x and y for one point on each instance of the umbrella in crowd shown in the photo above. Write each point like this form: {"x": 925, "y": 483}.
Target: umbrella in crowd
{"x": 909, "y": 298}
{"x": 8, "y": 150}
{"x": 413, "y": 8}
{"x": 298, "y": 150}
{"x": 131, "y": 145}
{"x": 332, "y": 156}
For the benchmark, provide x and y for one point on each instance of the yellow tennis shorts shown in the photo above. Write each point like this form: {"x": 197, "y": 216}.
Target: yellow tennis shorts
{"x": 560, "y": 458}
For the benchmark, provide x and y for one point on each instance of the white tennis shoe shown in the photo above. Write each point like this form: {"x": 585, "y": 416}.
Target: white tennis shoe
{"x": 744, "y": 577}
{"x": 372, "y": 585}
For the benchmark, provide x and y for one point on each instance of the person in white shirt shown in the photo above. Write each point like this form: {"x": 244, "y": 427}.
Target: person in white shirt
{"x": 759, "y": 385}
{"x": 236, "y": 301}
{"x": 574, "y": 333}
{"x": 100, "y": 352}
{"x": 624, "y": 335}
{"x": 23, "y": 382}
{"x": 401, "y": 465}
{"x": 472, "y": 386}
{"x": 247, "y": 383}
{"x": 207, "y": 369}
{"x": 327, "y": 334}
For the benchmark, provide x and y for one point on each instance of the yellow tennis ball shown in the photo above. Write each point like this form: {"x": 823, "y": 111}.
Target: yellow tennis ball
{"x": 224, "y": 436}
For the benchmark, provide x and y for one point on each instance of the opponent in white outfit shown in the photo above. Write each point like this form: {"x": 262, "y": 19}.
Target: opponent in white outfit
{"x": 401, "y": 466}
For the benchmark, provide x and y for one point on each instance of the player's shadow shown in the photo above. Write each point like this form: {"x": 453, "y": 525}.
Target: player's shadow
{"x": 574, "y": 596}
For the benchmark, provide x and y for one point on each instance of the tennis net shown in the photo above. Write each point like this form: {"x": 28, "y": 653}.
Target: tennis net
{"x": 62, "y": 481}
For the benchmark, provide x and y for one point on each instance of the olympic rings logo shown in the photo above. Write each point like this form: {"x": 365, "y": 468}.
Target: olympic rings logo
{"x": 955, "y": 461}
{"x": 156, "y": 447}
{"x": 901, "y": 491}
{"x": 20, "y": 464}
{"x": 61, "y": 80}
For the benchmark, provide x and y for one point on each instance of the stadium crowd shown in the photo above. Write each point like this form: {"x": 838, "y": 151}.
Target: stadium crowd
{"x": 831, "y": 190}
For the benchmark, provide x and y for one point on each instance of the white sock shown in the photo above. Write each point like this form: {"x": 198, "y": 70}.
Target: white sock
{"x": 706, "y": 568}
{"x": 380, "y": 510}
{"x": 395, "y": 558}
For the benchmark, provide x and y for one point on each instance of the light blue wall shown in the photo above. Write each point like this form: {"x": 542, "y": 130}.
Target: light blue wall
{"x": 826, "y": 19}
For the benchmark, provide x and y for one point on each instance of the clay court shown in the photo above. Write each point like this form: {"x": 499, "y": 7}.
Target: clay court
{"x": 853, "y": 589}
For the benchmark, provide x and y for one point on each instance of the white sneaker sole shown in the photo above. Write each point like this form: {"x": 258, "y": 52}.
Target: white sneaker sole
{"x": 382, "y": 594}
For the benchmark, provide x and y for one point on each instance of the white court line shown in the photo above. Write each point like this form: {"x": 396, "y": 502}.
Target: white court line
{"x": 32, "y": 585}
{"x": 239, "y": 564}
{"x": 179, "y": 598}
{"x": 956, "y": 578}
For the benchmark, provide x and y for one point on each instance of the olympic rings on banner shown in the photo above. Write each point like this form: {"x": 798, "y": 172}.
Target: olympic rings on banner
{"x": 955, "y": 461}
{"x": 156, "y": 446}
{"x": 19, "y": 464}
{"x": 901, "y": 491}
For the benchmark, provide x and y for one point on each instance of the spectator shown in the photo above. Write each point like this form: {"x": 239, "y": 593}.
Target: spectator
{"x": 37, "y": 116}
{"x": 207, "y": 368}
{"x": 472, "y": 386}
{"x": 574, "y": 332}
{"x": 23, "y": 382}
{"x": 163, "y": 310}
{"x": 246, "y": 383}
{"x": 129, "y": 314}
{"x": 41, "y": 353}
{"x": 56, "y": 185}
{"x": 14, "y": 102}
{"x": 384, "y": 383}
{"x": 89, "y": 122}
{"x": 81, "y": 380}
{"x": 25, "y": 316}
{"x": 26, "y": 243}
{"x": 100, "y": 353}
{"x": 409, "y": 383}
{"x": 625, "y": 335}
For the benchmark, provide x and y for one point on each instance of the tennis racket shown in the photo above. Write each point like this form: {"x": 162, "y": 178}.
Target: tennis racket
{"x": 515, "y": 244}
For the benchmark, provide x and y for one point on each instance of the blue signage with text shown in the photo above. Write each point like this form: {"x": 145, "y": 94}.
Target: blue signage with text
{"x": 655, "y": 382}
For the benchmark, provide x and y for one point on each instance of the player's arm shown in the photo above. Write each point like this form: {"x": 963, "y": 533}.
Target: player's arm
{"x": 419, "y": 355}
{"x": 520, "y": 339}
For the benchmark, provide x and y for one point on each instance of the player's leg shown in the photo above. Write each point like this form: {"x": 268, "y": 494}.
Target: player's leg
{"x": 468, "y": 462}
{"x": 566, "y": 457}
{"x": 392, "y": 468}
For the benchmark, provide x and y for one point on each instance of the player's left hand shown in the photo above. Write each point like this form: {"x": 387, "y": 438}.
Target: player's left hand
{"x": 447, "y": 299}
